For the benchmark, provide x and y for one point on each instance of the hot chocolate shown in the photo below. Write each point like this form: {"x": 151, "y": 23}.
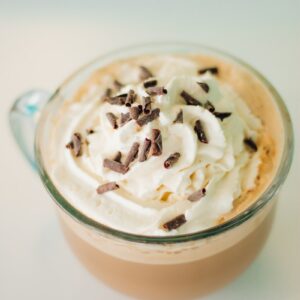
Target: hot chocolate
{"x": 162, "y": 166}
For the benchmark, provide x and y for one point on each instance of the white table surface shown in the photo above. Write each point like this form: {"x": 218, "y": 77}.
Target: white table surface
{"x": 41, "y": 42}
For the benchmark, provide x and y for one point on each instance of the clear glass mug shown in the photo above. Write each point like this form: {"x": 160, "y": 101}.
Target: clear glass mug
{"x": 177, "y": 267}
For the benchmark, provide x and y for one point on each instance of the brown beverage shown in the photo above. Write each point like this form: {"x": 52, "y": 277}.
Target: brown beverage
{"x": 175, "y": 281}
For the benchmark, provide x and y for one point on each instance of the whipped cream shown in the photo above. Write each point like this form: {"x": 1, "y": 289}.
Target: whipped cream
{"x": 149, "y": 195}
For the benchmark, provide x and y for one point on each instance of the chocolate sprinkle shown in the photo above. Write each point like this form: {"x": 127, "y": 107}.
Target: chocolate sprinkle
{"x": 148, "y": 118}
{"x": 118, "y": 157}
{"x": 197, "y": 195}
{"x": 212, "y": 70}
{"x": 179, "y": 117}
{"x": 125, "y": 118}
{"x": 147, "y": 105}
{"x": 189, "y": 99}
{"x": 150, "y": 83}
{"x": 106, "y": 187}
{"x": 140, "y": 106}
{"x": 132, "y": 154}
{"x": 145, "y": 73}
{"x": 112, "y": 120}
{"x": 208, "y": 105}
{"x": 250, "y": 144}
{"x": 118, "y": 85}
{"x": 90, "y": 131}
{"x": 156, "y": 90}
{"x": 222, "y": 115}
{"x": 204, "y": 86}
{"x": 134, "y": 112}
{"x": 156, "y": 142}
{"x": 145, "y": 150}
{"x": 116, "y": 100}
{"x": 175, "y": 223}
{"x": 75, "y": 145}
{"x": 131, "y": 96}
{"x": 171, "y": 160}
{"x": 200, "y": 132}
{"x": 114, "y": 166}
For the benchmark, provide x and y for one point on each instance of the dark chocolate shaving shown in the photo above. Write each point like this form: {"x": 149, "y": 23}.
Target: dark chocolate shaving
{"x": 148, "y": 118}
{"x": 112, "y": 120}
{"x": 118, "y": 157}
{"x": 118, "y": 85}
{"x": 156, "y": 90}
{"x": 171, "y": 160}
{"x": 222, "y": 115}
{"x": 179, "y": 117}
{"x": 212, "y": 70}
{"x": 125, "y": 118}
{"x": 145, "y": 150}
{"x": 208, "y": 105}
{"x": 156, "y": 142}
{"x": 147, "y": 105}
{"x": 134, "y": 112}
{"x": 132, "y": 154}
{"x": 75, "y": 145}
{"x": 145, "y": 73}
{"x": 197, "y": 195}
{"x": 131, "y": 96}
{"x": 189, "y": 100}
{"x": 200, "y": 132}
{"x": 90, "y": 131}
{"x": 114, "y": 166}
{"x": 150, "y": 83}
{"x": 250, "y": 144}
{"x": 106, "y": 187}
{"x": 204, "y": 86}
{"x": 175, "y": 223}
{"x": 140, "y": 106}
{"x": 116, "y": 100}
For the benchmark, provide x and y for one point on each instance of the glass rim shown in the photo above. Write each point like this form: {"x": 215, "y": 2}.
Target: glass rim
{"x": 261, "y": 201}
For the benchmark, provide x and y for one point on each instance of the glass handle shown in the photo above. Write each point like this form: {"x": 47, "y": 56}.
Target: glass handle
{"x": 23, "y": 117}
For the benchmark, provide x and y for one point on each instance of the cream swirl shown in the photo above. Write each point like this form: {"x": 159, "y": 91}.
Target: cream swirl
{"x": 149, "y": 194}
